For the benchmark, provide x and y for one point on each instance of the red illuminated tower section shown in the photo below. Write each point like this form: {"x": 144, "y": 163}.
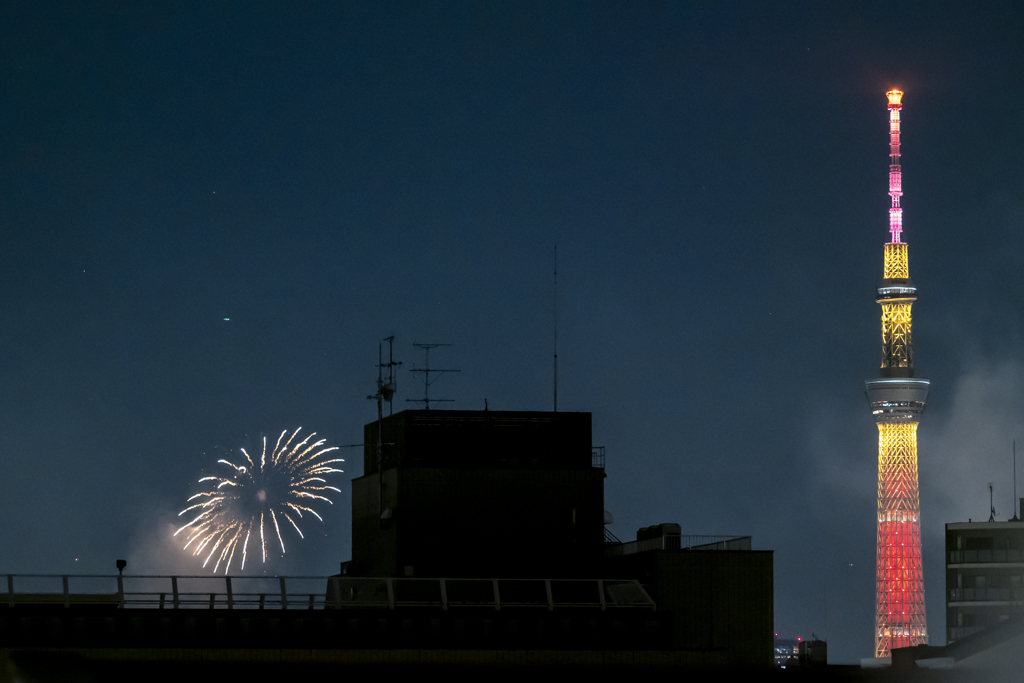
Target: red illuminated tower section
{"x": 897, "y": 400}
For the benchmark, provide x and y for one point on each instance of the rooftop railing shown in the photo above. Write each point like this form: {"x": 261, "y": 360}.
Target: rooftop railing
{"x": 677, "y": 542}
{"x": 166, "y": 592}
{"x": 715, "y": 542}
{"x": 320, "y": 592}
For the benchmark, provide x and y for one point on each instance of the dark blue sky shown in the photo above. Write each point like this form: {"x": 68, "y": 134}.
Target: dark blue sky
{"x": 327, "y": 174}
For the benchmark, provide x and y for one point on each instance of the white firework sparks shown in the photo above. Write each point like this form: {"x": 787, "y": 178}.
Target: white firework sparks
{"x": 283, "y": 482}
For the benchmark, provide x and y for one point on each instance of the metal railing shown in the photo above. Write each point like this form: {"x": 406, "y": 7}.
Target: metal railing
{"x": 597, "y": 457}
{"x": 549, "y": 594}
{"x": 167, "y": 592}
{"x": 677, "y": 542}
{"x": 611, "y": 538}
{"x": 320, "y": 592}
{"x": 704, "y": 542}
{"x": 981, "y": 556}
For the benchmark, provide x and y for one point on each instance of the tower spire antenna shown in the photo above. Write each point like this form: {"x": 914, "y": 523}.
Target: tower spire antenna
{"x": 895, "y": 98}
{"x": 897, "y": 400}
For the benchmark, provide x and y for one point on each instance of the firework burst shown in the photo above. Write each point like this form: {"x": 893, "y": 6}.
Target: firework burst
{"x": 276, "y": 488}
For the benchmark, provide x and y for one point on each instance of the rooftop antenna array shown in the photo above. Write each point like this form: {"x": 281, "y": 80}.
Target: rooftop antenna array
{"x": 427, "y": 381}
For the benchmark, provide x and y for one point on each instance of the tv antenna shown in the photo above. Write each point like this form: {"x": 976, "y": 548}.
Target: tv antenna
{"x": 427, "y": 381}
{"x": 1015, "y": 517}
{"x": 555, "y": 325}
{"x": 991, "y": 505}
{"x": 386, "y": 389}
{"x": 385, "y": 393}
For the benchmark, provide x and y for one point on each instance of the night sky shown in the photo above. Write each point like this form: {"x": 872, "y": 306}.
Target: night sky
{"x": 212, "y": 213}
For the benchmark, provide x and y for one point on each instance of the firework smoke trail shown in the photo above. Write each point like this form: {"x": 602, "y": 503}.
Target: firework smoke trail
{"x": 290, "y": 477}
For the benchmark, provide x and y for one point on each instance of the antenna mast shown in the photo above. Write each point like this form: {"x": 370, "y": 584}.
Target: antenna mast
{"x": 385, "y": 392}
{"x": 556, "y": 327}
{"x": 895, "y": 174}
{"x": 426, "y": 370}
{"x": 991, "y": 505}
{"x": 387, "y": 389}
{"x": 1015, "y": 501}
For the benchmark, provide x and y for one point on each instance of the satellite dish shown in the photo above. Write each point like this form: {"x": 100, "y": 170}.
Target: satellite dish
{"x": 608, "y": 519}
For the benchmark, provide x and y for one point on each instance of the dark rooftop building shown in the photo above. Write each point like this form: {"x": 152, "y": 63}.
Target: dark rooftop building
{"x": 478, "y": 541}
{"x": 719, "y": 591}
{"x": 463, "y": 496}
{"x": 478, "y": 493}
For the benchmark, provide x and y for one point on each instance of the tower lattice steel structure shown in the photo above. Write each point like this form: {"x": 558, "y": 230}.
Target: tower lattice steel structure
{"x": 897, "y": 400}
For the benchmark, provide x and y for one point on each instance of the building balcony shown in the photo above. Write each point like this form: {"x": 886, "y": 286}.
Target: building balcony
{"x": 1014, "y": 594}
{"x": 958, "y": 632}
{"x": 984, "y": 556}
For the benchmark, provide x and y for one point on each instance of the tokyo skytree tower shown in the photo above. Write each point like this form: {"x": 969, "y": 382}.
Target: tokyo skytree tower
{"x": 897, "y": 400}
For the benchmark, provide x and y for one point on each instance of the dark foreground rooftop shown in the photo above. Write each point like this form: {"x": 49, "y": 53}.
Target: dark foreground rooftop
{"x": 201, "y": 665}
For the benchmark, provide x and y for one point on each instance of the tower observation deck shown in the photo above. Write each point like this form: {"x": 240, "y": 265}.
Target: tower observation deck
{"x": 897, "y": 400}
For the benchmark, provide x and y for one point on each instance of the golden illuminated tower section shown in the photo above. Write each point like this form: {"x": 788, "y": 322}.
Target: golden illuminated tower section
{"x": 897, "y": 400}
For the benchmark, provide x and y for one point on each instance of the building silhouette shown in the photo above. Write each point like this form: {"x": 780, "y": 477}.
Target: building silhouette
{"x": 495, "y": 504}
{"x": 478, "y": 493}
{"x": 479, "y": 544}
{"x": 984, "y": 575}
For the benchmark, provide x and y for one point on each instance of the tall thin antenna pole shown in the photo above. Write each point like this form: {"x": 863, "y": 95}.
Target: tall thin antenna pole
{"x": 1015, "y": 500}
{"x": 556, "y": 328}
{"x": 991, "y": 504}
{"x": 380, "y": 434}
{"x": 385, "y": 393}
